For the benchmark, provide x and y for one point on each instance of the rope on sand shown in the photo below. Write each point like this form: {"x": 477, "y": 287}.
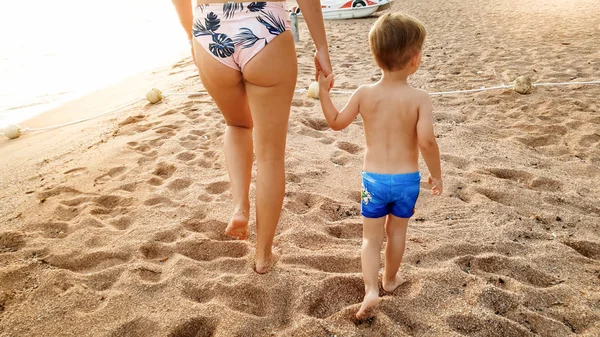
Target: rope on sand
{"x": 439, "y": 93}
{"x": 521, "y": 85}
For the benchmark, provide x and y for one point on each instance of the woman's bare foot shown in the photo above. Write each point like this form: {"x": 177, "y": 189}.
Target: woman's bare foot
{"x": 391, "y": 285}
{"x": 370, "y": 302}
{"x": 238, "y": 227}
{"x": 264, "y": 263}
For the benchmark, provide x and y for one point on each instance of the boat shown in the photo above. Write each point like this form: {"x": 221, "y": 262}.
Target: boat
{"x": 348, "y": 9}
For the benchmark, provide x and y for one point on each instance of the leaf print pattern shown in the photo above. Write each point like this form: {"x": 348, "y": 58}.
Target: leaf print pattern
{"x": 256, "y": 6}
{"x": 202, "y": 7}
{"x": 246, "y": 38}
{"x": 199, "y": 29}
{"x": 274, "y": 25}
{"x": 212, "y": 22}
{"x": 222, "y": 47}
{"x": 230, "y": 8}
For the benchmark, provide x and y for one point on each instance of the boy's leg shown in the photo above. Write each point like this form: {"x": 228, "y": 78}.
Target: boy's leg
{"x": 394, "y": 250}
{"x": 370, "y": 256}
{"x": 226, "y": 87}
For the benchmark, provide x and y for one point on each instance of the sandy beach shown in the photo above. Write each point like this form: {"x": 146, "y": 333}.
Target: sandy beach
{"x": 115, "y": 226}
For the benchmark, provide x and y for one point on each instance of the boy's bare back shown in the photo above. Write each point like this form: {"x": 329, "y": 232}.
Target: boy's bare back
{"x": 390, "y": 113}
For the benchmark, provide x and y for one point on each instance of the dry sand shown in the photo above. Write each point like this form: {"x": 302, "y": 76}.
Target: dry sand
{"x": 114, "y": 227}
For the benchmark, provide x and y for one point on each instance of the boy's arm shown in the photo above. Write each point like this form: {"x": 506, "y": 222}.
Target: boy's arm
{"x": 428, "y": 145}
{"x": 337, "y": 120}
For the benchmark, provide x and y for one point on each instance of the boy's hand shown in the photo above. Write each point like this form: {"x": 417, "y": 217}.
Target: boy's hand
{"x": 437, "y": 185}
{"x": 325, "y": 83}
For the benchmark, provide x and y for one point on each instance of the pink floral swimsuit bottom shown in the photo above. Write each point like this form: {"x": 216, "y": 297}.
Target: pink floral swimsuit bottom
{"x": 234, "y": 32}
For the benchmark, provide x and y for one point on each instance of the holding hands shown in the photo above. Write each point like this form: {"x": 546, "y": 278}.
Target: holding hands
{"x": 323, "y": 66}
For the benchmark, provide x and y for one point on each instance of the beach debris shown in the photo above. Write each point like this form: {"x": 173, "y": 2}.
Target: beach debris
{"x": 12, "y": 131}
{"x": 313, "y": 90}
{"x": 522, "y": 85}
{"x": 154, "y": 96}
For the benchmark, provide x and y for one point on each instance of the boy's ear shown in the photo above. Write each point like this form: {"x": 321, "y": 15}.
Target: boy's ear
{"x": 416, "y": 59}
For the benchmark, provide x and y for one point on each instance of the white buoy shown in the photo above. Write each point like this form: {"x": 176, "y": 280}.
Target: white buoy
{"x": 522, "y": 85}
{"x": 12, "y": 131}
{"x": 154, "y": 96}
{"x": 313, "y": 90}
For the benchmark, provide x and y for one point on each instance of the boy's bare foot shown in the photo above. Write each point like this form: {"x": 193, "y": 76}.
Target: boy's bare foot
{"x": 391, "y": 285}
{"x": 238, "y": 227}
{"x": 263, "y": 264}
{"x": 370, "y": 302}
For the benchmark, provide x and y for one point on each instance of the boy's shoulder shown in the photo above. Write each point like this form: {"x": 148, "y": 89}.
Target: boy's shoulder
{"x": 420, "y": 94}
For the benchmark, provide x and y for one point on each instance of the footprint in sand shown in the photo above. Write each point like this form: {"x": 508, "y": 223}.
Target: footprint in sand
{"x": 129, "y": 187}
{"x": 139, "y": 327}
{"x": 332, "y": 295}
{"x": 156, "y": 251}
{"x": 307, "y": 131}
{"x": 164, "y": 170}
{"x": 208, "y": 250}
{"x": 315, "y": 124}
{"x": 180, "y": 184}
{"x": 132, "y": 120}
{"x": 350, "y": 230}
{"x": 302, "y": 103}
{"x": 186, "y": 156}
{"x": 339, "y": 158}
{"x": 325, "y": 263}
{"x": 589, "y": 140}
{"x": 169, "y": 130}
{"x": 114, "y": 173}
{"x": 156, "y": 201}
{"x": 150, "y": 274}
{"x": 169, "y": 112}
{"x": 243, "y": 297}
{"x": 197, "y": 327}
{"x": 527, "y": 179}
{"x": 334, "y": 211}
{"x": 218, "y": 187}
{"x": 348, "y": 147}
{"x": 168, "y": 236}
{"x": 505, "y": 268}
{"x": 11, "y": 242}
{"x": 88, "y": 262}
{"x": 538, "y": 141}
{"x": 301, "y": 203}
{"x": 155, "y": 181}
{"x": 498, "y": 300}
{"x": 458, "y": 162}
{"x": 212, "y": 229}
{"x": 52, "y": 229}
{"x": 589, "y": 249}
{"x": 327, "y": 140}
{"x": 485, "y": 325}
{"x": 122, "y": 223}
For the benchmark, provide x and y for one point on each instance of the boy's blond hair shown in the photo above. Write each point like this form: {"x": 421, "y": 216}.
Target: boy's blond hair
{"x": 394, "y": 39}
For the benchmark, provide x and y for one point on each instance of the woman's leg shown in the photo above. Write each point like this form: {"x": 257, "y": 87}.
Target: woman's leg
{"x": 270, "y": 81}
{"x": 226, "y": 87}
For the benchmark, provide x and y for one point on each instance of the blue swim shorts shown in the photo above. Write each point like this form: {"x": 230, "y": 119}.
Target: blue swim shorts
{"x": 383, "y": 194}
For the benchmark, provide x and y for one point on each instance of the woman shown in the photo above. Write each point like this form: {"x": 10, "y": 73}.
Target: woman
{"x": 246, "y": 58}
